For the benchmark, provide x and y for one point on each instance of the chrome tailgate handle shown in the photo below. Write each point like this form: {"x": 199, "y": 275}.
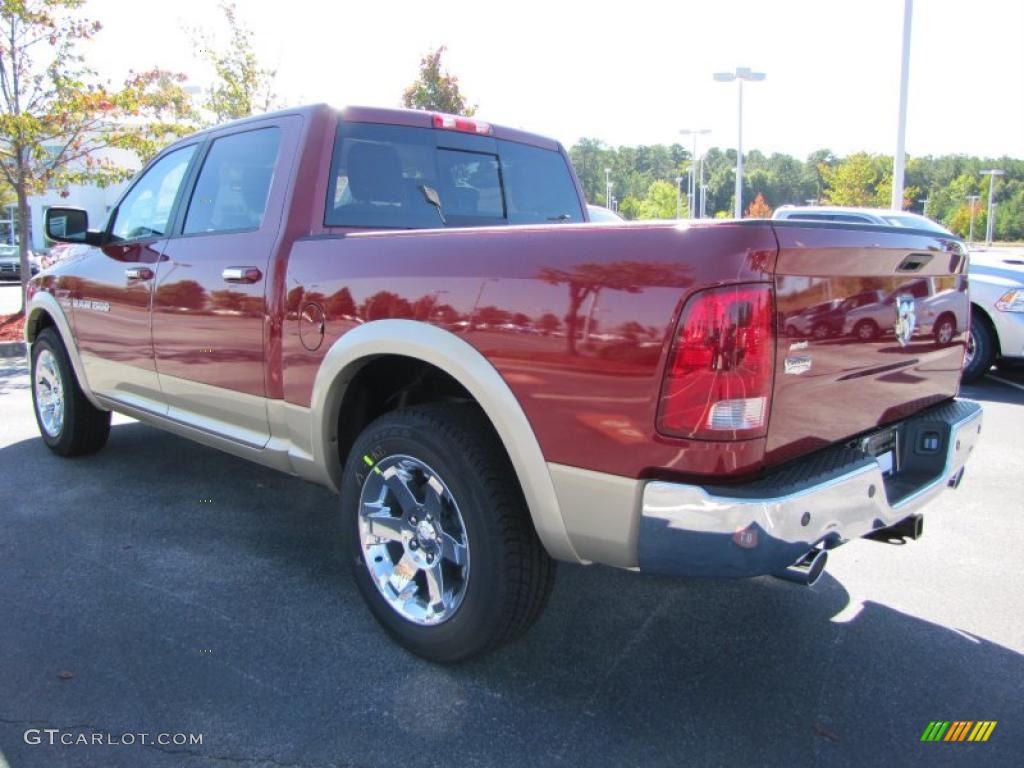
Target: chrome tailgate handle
{"x": 241, "y": 274}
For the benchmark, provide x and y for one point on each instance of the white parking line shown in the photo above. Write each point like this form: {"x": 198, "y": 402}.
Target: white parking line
{"x": 1008, "y": 383}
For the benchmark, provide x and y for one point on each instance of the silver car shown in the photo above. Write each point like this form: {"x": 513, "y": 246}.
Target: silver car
{"x": 10, "y": 263}
{"x": 936, "y": 311}
{"x": 849, "y": 215}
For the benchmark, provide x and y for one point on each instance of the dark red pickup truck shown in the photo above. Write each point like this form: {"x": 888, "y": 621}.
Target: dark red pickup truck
{"x": 413, "y": 309}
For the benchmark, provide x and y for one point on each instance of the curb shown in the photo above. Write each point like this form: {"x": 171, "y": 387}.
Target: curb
{"x": 13, "y": 349}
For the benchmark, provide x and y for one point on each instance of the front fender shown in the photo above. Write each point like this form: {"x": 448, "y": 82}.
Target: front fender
{"x": 43, "y": 303}
{"x": 472, "y": 370}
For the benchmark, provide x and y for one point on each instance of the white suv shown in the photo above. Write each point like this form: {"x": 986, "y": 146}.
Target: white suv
{"x": 877, "y": 216}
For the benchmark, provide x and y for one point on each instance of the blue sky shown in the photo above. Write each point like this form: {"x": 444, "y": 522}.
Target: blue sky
{"x": 637, "y": 72}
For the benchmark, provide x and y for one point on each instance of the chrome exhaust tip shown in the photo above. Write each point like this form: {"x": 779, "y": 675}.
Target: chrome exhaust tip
{"x": 908, "y": 528}
{"x": 807, "y": 570}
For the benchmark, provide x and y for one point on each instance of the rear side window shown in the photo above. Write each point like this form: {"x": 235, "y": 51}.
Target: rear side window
{"x": 381, "y": 177}
{"x": 231, "y": 193}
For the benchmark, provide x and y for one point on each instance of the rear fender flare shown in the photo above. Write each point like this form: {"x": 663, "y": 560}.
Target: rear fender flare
{"x": 473, "y": 371}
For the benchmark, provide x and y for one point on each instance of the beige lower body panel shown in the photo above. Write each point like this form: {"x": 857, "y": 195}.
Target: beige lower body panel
{"x": 280, "y": 439}
{"x": 129, "y": 384}
{"x": 237, "y": 416}
{"x": 601, "y": 513}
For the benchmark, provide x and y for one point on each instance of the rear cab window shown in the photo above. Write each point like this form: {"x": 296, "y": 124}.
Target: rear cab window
{"x": 381, "y": 176}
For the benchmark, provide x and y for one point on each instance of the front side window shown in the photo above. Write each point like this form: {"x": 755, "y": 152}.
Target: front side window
{"x": 146, "y": 209}
{"x": 231, "y": 193}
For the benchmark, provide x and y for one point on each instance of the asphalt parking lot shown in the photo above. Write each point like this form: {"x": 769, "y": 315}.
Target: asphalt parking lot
{"x": 165, "y": 587}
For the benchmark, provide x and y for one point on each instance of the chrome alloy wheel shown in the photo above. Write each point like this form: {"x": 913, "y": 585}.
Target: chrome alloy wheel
{"x": 49, "y": 393}
{"x": 413, "y": 539}
{"x": 969, "y": 354}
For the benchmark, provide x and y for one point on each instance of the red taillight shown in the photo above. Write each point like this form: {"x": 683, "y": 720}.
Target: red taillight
{"x": 464, "y": 124}
{"x": 718, "y": 383}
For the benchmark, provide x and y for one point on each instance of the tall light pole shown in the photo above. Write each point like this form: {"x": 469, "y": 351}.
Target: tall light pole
{"x": 973, "y": 200}
{"x": 899, "y": 161}
{"x": 989, "y": 223}
{"x": 924, "y": 205}
{"x": 608, "y": 188}
{"x": 679, "y": 196}
{"x": 702, "y": 186}
{"x": 741, "y": 74}
{"x": 691, "y": 190}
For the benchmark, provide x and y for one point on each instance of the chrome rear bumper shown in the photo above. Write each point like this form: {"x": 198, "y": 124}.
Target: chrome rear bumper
{"x": 821, "y": 501}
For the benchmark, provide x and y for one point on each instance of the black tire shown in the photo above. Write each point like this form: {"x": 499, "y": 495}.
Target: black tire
{"x": 866, "y": 330}
{"x": 510, "y": 575}
{"x": 84, "y": 428}
{"x": 984, "y": 350}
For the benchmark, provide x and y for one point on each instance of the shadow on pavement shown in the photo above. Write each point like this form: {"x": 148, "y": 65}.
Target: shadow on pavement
{"x": 123, "y": 567}
{"x": 993, "y": 391}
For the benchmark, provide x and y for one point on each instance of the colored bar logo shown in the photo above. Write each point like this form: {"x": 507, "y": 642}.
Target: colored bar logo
{"x": 958, "y": 730}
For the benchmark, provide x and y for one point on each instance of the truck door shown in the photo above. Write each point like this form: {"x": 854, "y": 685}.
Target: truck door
{"x": 111, "y": 297}
{"x": 209, "y": 308}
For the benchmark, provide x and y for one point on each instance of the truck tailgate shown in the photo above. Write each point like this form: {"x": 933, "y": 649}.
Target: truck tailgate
{"x": 871, "y": 329}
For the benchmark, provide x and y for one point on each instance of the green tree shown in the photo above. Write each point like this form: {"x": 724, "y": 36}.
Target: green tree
{"x": 960, "y": 220}
{"x": 629, "y": 207}
{"x": 854, "y": 181}
{"x": 55, "y": 116}
{"x": 813, "y": 182}
{"x": 660, "y": 202}
{"x": 590, "y": 157}
{"x": 242, "y": 86}
{"x": 859, "y": 179}
{"x": 435, "y": 89}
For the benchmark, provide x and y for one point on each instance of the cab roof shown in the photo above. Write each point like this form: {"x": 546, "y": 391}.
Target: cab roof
{"x": 413, "y": 118}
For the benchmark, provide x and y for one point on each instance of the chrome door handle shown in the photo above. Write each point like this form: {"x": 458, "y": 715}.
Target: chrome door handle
{"x": 138, "y": 273}
{"x": 241, "y": 274}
